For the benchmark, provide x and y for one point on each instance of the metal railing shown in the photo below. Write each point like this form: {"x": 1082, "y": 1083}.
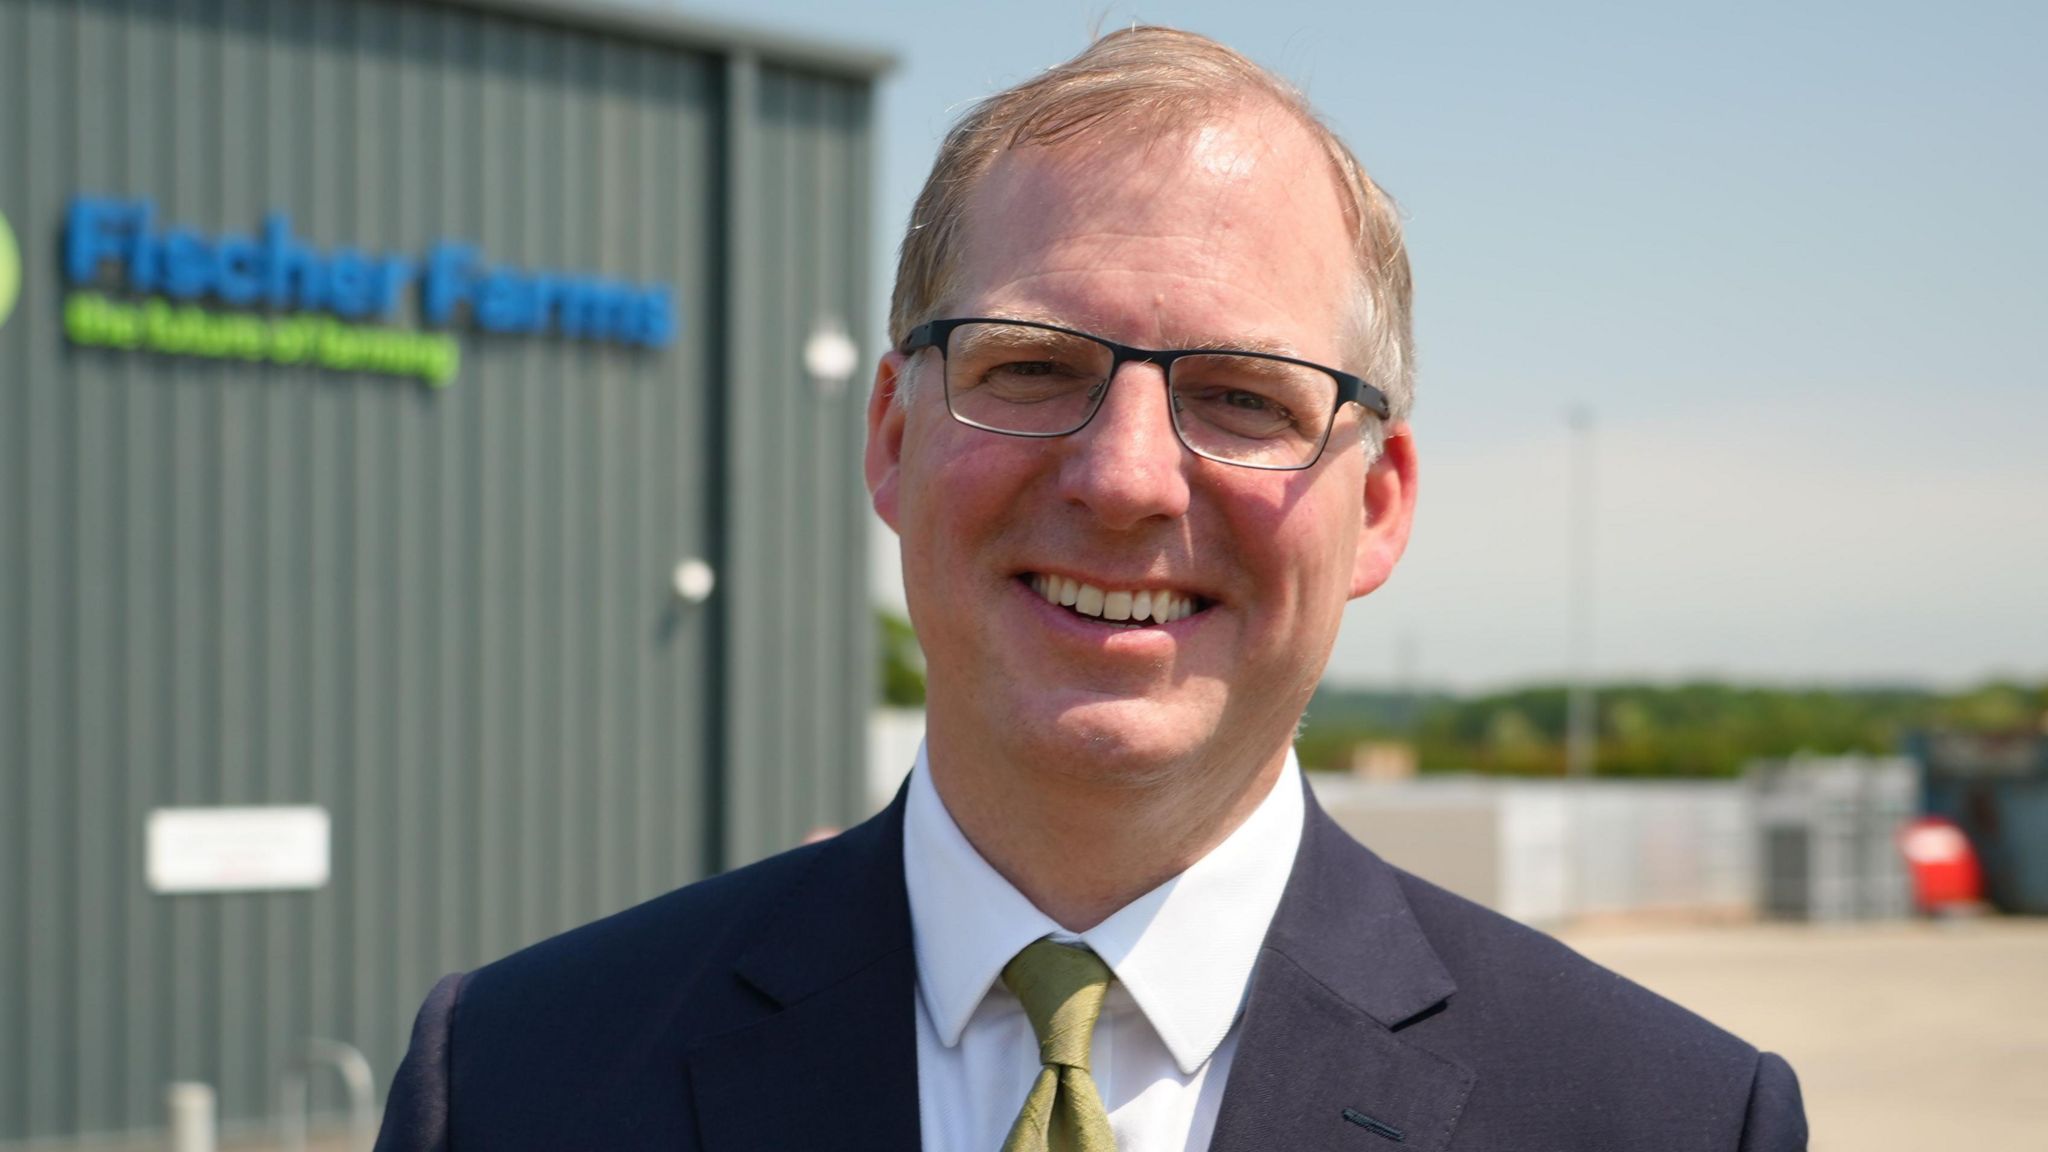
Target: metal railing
{"x": 294, "y": 1094}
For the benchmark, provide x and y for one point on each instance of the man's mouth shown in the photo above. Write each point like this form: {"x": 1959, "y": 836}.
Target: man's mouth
{"x": 1128, "y": 607}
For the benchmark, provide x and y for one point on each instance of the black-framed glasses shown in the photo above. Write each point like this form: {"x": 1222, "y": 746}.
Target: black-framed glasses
{"x": 1253, "y": 409}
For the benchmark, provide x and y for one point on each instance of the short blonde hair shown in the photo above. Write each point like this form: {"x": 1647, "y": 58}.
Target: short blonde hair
{"x": 1162, "y": 78}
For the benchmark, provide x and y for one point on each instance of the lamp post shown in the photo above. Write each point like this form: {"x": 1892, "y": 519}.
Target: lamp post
{"x": 1580, "y": 735}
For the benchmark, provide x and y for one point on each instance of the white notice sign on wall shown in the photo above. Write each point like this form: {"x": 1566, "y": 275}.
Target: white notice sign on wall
{"x": 269, "y": 849}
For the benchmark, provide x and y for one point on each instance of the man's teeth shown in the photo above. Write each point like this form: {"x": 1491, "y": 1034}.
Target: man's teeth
{"x": 1158, "y": 606}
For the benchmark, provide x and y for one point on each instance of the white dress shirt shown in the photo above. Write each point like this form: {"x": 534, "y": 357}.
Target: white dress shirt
{"x": 1182, "y": 954}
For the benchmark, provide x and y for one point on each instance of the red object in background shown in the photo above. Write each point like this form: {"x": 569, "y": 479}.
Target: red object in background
{"x": 1944, "y": 865}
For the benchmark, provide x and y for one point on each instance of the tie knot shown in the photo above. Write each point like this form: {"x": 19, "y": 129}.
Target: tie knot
{"x": 1062, "y": 989}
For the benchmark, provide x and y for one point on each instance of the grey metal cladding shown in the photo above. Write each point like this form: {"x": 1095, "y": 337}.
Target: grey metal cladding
{"x": 800, "y": 648}
{"x": 444, "y": 614}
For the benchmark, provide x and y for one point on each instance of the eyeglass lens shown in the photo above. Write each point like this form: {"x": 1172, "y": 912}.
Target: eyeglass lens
{"x": 1231, "y": 407}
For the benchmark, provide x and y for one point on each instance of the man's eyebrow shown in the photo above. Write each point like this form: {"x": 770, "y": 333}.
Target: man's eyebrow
{"x": 1203, "y": 344}
{"x": 1244, "y": 344}
{"x": 1029, "y": 317}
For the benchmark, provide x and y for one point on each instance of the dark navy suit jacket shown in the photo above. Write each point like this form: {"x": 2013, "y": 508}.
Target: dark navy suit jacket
{"x": 770, "y": 1010}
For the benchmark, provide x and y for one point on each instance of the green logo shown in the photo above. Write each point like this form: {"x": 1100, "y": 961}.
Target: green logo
{"x": 10, "y": 269}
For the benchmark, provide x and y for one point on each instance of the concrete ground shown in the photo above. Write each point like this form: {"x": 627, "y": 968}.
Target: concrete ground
{"x": 1905, "y": 1036}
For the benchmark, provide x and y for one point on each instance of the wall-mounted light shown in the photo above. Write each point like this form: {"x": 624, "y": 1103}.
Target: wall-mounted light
{"x": 830, "y": 356}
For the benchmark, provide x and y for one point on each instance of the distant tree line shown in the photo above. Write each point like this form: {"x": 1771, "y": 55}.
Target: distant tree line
{"x": 902, "y": 678}
{"x": 1699, "y": 729}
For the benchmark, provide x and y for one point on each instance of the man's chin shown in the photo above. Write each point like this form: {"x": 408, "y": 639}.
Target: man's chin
{"x": 1129, "y": 740}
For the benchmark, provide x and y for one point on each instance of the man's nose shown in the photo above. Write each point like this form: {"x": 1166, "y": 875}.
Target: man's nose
{"x": 1128, "y": 465}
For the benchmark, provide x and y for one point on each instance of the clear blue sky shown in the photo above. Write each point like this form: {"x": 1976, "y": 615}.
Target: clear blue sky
{"x": 1793, "y": 257}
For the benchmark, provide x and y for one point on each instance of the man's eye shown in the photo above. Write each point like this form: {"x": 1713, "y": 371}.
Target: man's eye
{"x": 1030, "y": 368}
{"x": 1037, "y": 373}
{"x": 1243, "y": 404}
{"x": 1030, "y": 381}
{"x": 1253, "y": 402}
{"x": 1238, "y": 412}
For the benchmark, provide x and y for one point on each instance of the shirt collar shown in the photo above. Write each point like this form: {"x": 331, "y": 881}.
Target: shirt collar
{"x": 1184, "y": 951}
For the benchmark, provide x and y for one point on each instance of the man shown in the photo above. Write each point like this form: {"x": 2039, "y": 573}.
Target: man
{"x": 1142, "y": 434}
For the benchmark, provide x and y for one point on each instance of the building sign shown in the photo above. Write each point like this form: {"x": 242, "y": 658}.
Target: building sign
{"x": 271, "y": 296}
{"x": 269, "y": 849}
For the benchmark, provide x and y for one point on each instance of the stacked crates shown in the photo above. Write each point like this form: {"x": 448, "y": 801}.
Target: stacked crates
{"x": 1826, "y": 836}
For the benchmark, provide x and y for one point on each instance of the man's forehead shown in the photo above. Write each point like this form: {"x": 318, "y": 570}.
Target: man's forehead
{"x": 1229, "y": 149}
{"x": 1249, "y": 197}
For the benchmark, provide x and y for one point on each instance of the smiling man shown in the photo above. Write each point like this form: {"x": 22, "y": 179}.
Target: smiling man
{"x": 1143, "y": 435}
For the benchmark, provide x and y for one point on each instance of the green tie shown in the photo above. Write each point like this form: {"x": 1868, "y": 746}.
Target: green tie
{"x": 1062, "y": 990}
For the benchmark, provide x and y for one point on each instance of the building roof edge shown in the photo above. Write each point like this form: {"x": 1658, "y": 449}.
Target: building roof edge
{"x": 688, "y": 29}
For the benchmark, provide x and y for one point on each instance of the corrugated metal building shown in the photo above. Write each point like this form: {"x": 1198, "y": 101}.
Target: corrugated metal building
{"x": 374, "y": 368}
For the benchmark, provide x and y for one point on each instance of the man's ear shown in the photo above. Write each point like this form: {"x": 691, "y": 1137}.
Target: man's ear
{"x": 886, "y": 416}
{"x": 1389, "y": 512}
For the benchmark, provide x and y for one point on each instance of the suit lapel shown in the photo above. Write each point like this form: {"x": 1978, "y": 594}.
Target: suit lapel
{"x": 832, "y": 1062}
{"x": 1321, "y": 1060}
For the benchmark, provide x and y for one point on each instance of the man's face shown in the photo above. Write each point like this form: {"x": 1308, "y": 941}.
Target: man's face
{"x": 1230, "y": 235}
